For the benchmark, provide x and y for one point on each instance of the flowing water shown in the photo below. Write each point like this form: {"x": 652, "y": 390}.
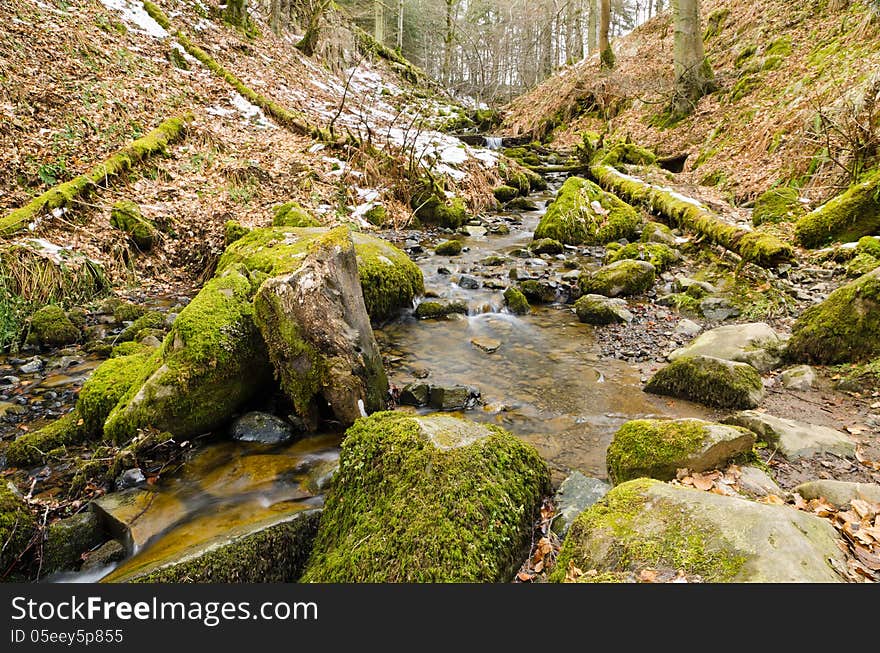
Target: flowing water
{"x": 544, "y": 382}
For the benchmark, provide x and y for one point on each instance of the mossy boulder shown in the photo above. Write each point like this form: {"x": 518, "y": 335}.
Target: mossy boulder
{"x": 110, "y": 381}
{"x": 538, "y": 291}
{"x": 389, "y": 279}
{"x": 843, "y": 328}
{"x": 211, "y": 364}
{"x": 601, "y": 310}
{"x": 505, "y": 193}
{"x": 654, "y": 448}
{"x": 150, "y": 320}
{"x": 50, "y": 327}
{"x": 291, "y": 214}
{"x": 516, "y": 302}
{"x": 657, "y": 254}
{"x": 318, "y": 335}
{"x": 547, "y": 246}
{"x": 32, "y": 448}
{"x": 428, "y": 310}
{"x": 623, "y": 278}
{"x": 646, "y": 524}
{"x": 126, "y": 216}
{"x": 866, "y": 259}
{"x": 657, "y": 232}
{"x": 431, "y": 206}
{"x": 17, "y": 526}
{"x": 778, "y": 205}
{"x": 584, "y": 214}
{"x": 67, "y": 539}
{"x": 709, "y": 381}
{"x": 847, "y": 217}
{"x": 448, "y": 248}
{"x": 428, "y": 499}
{"x": 755, "y": 343}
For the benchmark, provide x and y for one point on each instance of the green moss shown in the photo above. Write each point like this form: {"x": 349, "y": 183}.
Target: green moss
{"x": 779, "y": 47}
{"x": 376, "y": 215}
{"x": 864, "y": 378}
{"x": 656, "y": 232}
{"x": 291, "y": 214}
{"x": 841, "y": 329}
{"x": 862, "y": 264}
{"x": 625, "y": 277}
{"x": 106, "y": 386}
{"x": 233, "y": 231}
{"x": 778, "y": 205}
{"x": 647, "y": 533}
{"x": 32, "y": 448}
{"x": 624, "y": 152}
{"x": 505, "y": 193}
{"x": 126, "y": 216}
{"x": 744, "y": 55}
{"x": 127, "y": 349}
{"x": 743, "y": 87}
{"x": 537, "y": 292}
{"x": 448, "y": 248}
{"x": 51, "y": 327}
{"x": 151, "y": 320}
{"x": 847, "y": 217}
{"x": 657, "y": 254}
{"x": 277, "y": 554}
{"x": 522, "y": 155}
{"x": 17, "y": 527}
{"x": 651, "y": 448}
{"x": 428, "y": 310}
{"x": 709, "y": 381}
{"x": 573, "y": 219}
{"x": 67, "y": 539}
{"x": 175, "y": 56}
{"x": 516, "y": 302}
{"x": 401, "y": 509}
{"x": 432, "y": 207}
{"x": 715, "y": 23}
{"x": 546, "y": 246}
{"x": 62, "y": 195}
{"x": 772, "y": 63}
{"x": 123, "y": 311}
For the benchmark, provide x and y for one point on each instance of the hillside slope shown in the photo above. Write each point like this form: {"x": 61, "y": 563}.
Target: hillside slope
{"x": 795, "y": 83}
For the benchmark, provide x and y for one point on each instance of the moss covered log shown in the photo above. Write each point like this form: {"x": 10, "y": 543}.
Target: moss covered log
{"x": 428, "y": 499}
{"x": 63, "y": 195}
{"x": 756, "y": 247}
{"x": 847, "y": 217}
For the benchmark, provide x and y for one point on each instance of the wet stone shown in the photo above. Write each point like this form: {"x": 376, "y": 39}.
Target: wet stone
{"x": 469, "y": 282}
{"x": 415, "y": 394}
{"x": 33, "y": 366}
{"x": 718, "y": 309}
{"x": 130, "y": 478}
{"x": 261, "y": 427}
{"x": 456, "y": 397}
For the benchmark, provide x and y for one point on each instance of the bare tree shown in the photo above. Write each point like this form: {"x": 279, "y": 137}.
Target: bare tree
{"x": 606, "y": 54}
{"x": 693, "y": 74}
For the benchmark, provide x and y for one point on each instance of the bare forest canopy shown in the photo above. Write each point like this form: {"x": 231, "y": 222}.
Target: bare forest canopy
{"x": 491, "y": 50}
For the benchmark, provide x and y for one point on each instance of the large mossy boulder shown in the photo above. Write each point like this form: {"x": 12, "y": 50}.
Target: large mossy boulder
{"x": 600, "y": 310}
{"x": 211, "y": 364}
{"x": 428, "y": 499}
{"x": 657, "y": 254}
{"x": 17, "y": 526}
{"x": 389, "y": 279}
{"x": 50, "y": 327}
{"x": 318, "y": 334}
{"x": 843, "y": 328}
{"x": 623, "y": 278}
{"x": 847, "y": 217}
{"x": 646, "y": 524}
{"x": 710, "y": 381}
{"x": 654, "y": 448}
{"x": 584, "y": 214}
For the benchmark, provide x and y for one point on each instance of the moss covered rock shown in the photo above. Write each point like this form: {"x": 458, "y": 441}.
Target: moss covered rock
{"x": 50, "y": 327}
{"x": 291, "y": 214}
{"x": 233, "y": 231}
{"x": 843, "y": 328}
{"x": 778, "y": 205}
{"x": 17, "y": 526}
{"x": 866, "y": 259}
{"x": 626, "y": 277}
{"x": 212, "y": 362}
{"x": 516, "y": 302}
{"x": 67, "y": 539}
{"x": 710, "y": 381}
{"x": 847, "y": 217}
{"x": 32, "y": 448}
{"x": 429, "y": 310}
{"x": 600, "y": 310}
{"x": 389, "y": 279}
{"x": 657, "y": 448}
{"x": 584, "y": 214}
{"x": 110, "y": 381}
{"x": 428, "y": 499}
{"x": 657, "y": 254}
{"x": 646, "y": 524}
{"x": 150, "y": 320}
{"x": 318, "y": 334}
{"x": 547, "y": 246}
{"x": 657, "y": 232}
{"x": 538, "y": 291}
{"x": 126, "y": 216}
{"x": 505, "y": 193}
{"x": 431, "y": 206}
{"x": 448, "y": 248}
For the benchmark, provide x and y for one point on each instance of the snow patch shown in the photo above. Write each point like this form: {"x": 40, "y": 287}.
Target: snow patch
{"x": 135, "y": 14}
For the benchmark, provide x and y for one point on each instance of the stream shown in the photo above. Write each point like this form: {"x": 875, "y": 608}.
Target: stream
{"x": 538, "y": 376}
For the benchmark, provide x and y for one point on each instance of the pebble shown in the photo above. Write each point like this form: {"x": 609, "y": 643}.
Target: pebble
{"x": 33, "y": 366}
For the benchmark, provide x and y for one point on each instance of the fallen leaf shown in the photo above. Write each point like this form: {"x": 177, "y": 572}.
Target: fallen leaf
{"x": 772, "y": 500}
{"x": 524, "y": 577}
{"x": 868, "y": 558}
{"x": 539, "y": 567}
{"x": 648, "y": 576}
{"x": 703, "y": 483}
{"x": 862, "y": 508}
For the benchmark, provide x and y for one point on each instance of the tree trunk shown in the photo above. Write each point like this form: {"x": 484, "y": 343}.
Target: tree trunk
{"x": 606, "y": 54}
{"x": 379, "y": 21}
{"x": 592, "y": 26}
{"x": 399, "y": 25}
{"x": 236, "y": 13}
{"x": 693, "y": 74}
{"x": 447, "y": 40}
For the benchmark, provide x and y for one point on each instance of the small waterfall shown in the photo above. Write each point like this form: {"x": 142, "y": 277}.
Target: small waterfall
{"x": 493, "y": 142}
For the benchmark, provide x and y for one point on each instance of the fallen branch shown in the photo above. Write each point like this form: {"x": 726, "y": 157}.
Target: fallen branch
{"x": 62, "y": 195}
{"x": 757, "y": 247}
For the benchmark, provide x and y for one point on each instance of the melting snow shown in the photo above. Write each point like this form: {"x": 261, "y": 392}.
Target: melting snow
{"x": 134, "y": 13}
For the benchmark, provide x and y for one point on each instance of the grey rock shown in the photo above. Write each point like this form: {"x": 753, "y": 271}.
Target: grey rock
{"x": 681, "y": 283}
{"x": 261, "y": 427}
{"x": 469, "y": 282}
{"x": 415, "y": 394}
{"x": 108, "y": 553}
{"x": 33, "y": 366}
{"x": 794, "y": 439}
{"x": 456, "y": 397}
{"x": 801, "y": 378}
{"x": 756, "y": 483}
{"x": 9, "y": 380}
{"x": 718, "y": 309}
{"x": 130, "y": 478}
{"x": 839, "y": 493}
{"x": 688, "y": 328}
{"x": 743, "y": 343}
{"x": 474, "y": 231}
{"x": 576, "y": 493}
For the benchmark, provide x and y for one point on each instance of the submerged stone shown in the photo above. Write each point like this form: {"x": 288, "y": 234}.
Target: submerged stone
{"x": 261, "y": 427}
